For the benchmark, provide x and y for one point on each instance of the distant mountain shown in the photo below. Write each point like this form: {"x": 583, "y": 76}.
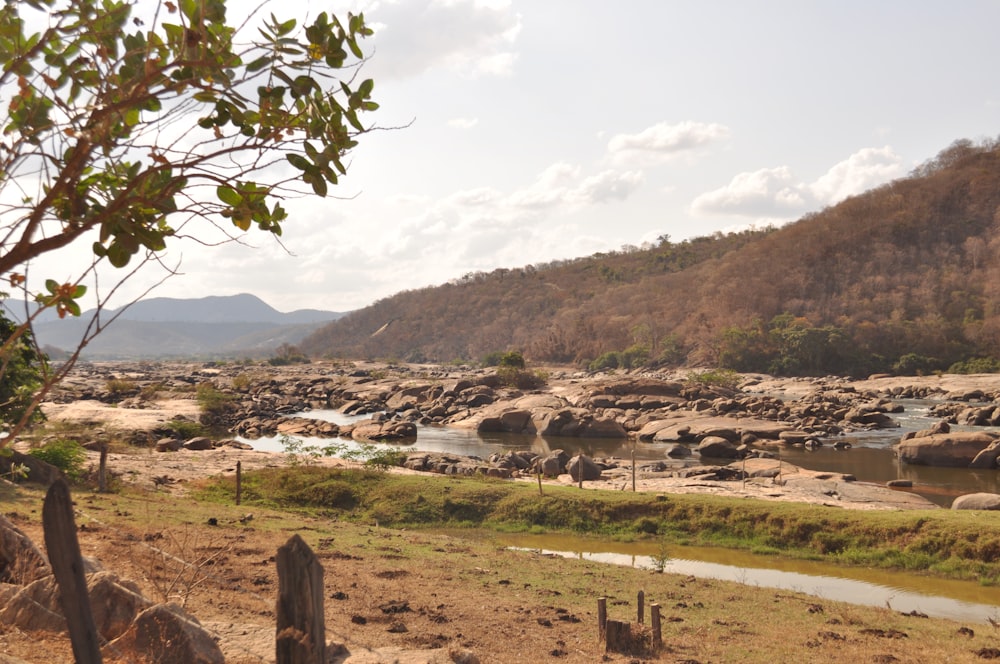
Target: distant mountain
{"x": 905, "y": 278}
{"x": 209, "y": 327}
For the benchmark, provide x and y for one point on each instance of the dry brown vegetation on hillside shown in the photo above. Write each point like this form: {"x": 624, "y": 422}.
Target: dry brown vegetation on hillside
{"x": 904, "y": 276}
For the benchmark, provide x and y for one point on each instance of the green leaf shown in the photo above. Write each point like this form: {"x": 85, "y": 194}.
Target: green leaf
{"x": 79, "y": 291}
{"x": 51, "y": 286}
{"x": 229, "y": 196}
{"x": 259, "y": 63}
{"x": 299, "y": 162}
{"x": 118, "y": 255}
{"x": 319, "y": 186}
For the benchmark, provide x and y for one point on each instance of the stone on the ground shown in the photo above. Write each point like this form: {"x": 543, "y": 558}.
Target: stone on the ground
{"x": 977, "y": 501}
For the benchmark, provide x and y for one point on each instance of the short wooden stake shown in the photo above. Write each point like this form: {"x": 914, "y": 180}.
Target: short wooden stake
{"x": 102, "y": 470}
{"x": 641, "y": 607}
{"x": 579, "y": 470}
{"x": 654, "y": 619}
{"x": 67, "y": 568}
{"x": 633, "y": 468}
{"x": 602, "y": 617}
{"x": 540, "y": 482}
{"x": 239, "y": 482}
{"x": 300, "y": 636}
{"x": 618, "y": 636}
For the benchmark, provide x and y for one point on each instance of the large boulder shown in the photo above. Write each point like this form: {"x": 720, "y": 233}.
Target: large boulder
{"x": 21, "y": 561}
{"x": 582, "y": 464}
{"x": 987, "y": 458}
{"x": 977, "y": 501}
{"x": 552, "y": 464}
{"x": 166, "y": 634}
{"x": 717, "y": 447}
{"x": 390, "y": 430}
{"x": 957, "y": 450}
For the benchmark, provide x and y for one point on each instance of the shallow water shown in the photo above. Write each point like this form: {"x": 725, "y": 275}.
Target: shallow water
{"x": 870, "y": 459}
{"x": 940, "y": 598}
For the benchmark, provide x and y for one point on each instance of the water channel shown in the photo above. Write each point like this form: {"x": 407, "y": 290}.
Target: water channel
{"x": 870, "y": 459}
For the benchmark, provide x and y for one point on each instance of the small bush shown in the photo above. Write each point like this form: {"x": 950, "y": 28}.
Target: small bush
{"x": 912, "y": 364}
{"x": 66, "y": 455}
{"x": 975, "y": 365}
{"x": 211, "y": 399}
{"x": 119, "y": 387}
{"x": 717, "y": 377}
{"x": 519, "y": 378}
{"x": 609, "y": 360}
{"x": 186, "y": 428}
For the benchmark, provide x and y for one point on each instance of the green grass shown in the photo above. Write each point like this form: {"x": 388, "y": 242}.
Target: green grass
{"x": 940, "y": 542}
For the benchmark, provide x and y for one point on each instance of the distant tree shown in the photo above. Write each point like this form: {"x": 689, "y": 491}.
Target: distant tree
{"x": 130, "y": 125}
{"x": 286, "y": 354}
{"x": 23, "y": 370}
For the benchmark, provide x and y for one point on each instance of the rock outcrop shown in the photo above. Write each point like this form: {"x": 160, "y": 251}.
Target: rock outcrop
{"x": 954, "y": 449}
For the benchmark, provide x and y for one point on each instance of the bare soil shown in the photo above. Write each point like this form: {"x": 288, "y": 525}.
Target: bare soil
{"x": 409, "y": 597}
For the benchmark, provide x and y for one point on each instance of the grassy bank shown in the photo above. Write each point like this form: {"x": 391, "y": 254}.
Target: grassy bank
{"x": 959, "y": 544}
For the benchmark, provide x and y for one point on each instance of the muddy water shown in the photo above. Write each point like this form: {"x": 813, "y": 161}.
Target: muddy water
{"x": 940, "y": 598}
{"x": 870, "y": 459}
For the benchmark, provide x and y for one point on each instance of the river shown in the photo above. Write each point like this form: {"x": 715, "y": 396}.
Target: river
{"x": 870, "y": 459}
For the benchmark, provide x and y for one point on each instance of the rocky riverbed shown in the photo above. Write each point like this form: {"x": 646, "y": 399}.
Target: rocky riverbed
{"x": 722, "y": 439}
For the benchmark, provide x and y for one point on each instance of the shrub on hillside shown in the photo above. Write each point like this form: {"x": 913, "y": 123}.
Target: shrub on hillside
{"x": 975, "y": 365}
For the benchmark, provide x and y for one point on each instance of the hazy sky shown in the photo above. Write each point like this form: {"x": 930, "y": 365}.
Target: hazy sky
{"x": 558, "y": 128}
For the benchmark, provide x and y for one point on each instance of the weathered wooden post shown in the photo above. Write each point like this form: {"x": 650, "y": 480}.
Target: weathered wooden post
{"x": 67, "y": 566}
{"x": 239, "y": 482}
{"x": 633, "y": 467}
{"x": 654, "y": 619}
{"x": 102, "y": 470}
{"x": 602, "y": 617}
{"x": 618, "y": 636}
{"x": 301, "y": 632}
{"x": 641, "y": 606}
{"x": 540, "y": 481}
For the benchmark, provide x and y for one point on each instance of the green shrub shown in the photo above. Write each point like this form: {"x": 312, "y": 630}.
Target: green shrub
{"x": 211, "y": 399}
{"x": 186, "y": 428}
{"x": 520, "y": 378}
{"x": 66, "y": 455}
{"x": 975, "y": 365}
{"x": 609, "y": 360}
{"x": 716, "y": 377}
{"x": 913, "y": 364}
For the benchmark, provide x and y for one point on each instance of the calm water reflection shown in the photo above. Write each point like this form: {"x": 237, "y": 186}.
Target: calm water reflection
{"x": 870, "y": 460}
{"x": 940, "y": 598}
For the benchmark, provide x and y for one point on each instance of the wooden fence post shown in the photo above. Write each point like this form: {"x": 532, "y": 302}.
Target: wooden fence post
{"x": 102, "y": 470}
{"x": 618, "y": 636}
{"x": 301, "y": 632}
{"x": 67, "y": 566}
{"x": 654, "y": 619}
{"x": 641, "y": 607}
{"x": 633, "y": 468}
{"x": 239, "y": 482}
{"x": 602, "y": 617}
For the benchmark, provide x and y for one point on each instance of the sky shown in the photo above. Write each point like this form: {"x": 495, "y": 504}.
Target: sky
{"x": 520, "y": 132}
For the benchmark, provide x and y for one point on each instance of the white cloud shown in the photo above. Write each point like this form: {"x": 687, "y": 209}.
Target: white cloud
{"x": 861, "y": 171}
{"x": 463, "y": 123}
{"x": 469, "y": 37}
{"x": 772, "y": 194}
{"x": 662, "y": 141}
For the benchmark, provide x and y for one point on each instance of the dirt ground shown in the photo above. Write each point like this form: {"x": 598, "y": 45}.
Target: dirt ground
{"x": 391, "y": 596}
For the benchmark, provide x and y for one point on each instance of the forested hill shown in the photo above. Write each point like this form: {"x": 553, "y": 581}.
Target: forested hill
{"x": 905, "y": 277}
